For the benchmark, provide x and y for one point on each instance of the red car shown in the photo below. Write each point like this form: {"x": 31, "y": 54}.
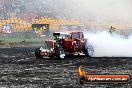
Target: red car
{"x": 65, "y": 43}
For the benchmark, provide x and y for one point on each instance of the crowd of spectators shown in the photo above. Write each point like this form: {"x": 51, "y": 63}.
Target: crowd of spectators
{"x": 33, "y": 8}
{"x": 23, "y": 13}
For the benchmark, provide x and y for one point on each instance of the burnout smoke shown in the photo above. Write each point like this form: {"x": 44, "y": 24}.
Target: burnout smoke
{"x": 110, "y": 45}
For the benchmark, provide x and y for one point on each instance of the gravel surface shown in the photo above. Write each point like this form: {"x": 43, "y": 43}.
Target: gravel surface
{"x": 20, "y": 69}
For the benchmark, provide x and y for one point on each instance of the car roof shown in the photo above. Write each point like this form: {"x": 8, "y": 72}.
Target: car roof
{"x": 62, "y": 32}
{"x": 68, "y": 32}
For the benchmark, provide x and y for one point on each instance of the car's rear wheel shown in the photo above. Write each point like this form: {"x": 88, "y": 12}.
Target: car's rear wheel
{"x": 88, "y": 51}
{"x": 37, "y": 53}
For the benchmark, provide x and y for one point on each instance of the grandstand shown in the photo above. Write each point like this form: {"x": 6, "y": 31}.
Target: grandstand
{"x": 21, "y": 14}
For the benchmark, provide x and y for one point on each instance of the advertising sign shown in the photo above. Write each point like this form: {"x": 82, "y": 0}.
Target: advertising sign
{"x": 40, "y": 28}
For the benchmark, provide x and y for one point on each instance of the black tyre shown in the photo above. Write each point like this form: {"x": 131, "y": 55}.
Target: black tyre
{"x": 60, "y": 54}
{"x": 37, "y": 53}
{"x": 88, "y": 51}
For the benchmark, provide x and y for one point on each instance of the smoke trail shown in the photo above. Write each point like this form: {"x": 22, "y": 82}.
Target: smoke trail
{"x": 110, "y": 45}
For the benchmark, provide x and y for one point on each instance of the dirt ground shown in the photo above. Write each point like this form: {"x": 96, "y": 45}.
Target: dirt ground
{"x": 19, "y": 69}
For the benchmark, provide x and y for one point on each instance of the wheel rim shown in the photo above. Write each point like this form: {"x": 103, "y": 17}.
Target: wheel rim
{"x": 62, "y": 55}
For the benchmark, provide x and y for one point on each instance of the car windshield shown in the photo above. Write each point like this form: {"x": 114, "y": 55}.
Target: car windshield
{"x": 75, "y": 36}
{"x": 63, "y": 35}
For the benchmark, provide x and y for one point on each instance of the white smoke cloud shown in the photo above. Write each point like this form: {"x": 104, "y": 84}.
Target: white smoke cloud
{"x": 110, "y": 45}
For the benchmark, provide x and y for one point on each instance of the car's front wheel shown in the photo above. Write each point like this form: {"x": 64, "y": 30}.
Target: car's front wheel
{"x": 60, "y": 54}
{"x": 37, "y": 53}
